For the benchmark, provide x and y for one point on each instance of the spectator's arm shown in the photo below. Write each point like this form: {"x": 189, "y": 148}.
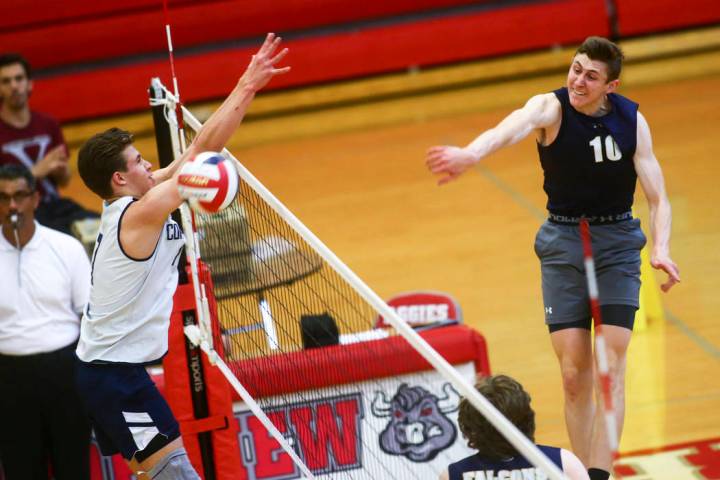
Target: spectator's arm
{"x": 80, "y": 277}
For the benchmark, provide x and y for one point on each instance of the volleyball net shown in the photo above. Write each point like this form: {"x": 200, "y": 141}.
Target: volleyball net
{"x": 332, "y": 383}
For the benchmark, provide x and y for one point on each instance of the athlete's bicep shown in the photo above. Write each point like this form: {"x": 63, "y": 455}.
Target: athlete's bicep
{"x": 538, "y": 113}
{"x": 159, "y": 202}
{"x": 543, "y": 110}
{"x": 646, "y": 165}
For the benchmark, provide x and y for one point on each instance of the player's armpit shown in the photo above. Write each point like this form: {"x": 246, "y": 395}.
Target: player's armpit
{"x": 143, "y": 221}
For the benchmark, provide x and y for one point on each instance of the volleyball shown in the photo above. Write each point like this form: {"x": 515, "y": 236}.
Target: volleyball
{"x": 209, "y": 182}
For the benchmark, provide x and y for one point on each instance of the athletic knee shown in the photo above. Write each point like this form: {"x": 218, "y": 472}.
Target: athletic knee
{"x": 173, "y": 466}
{"x": 577, "y": 382}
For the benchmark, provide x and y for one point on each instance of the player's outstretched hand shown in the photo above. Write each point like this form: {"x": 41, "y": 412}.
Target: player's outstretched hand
{"x": 449, "y": 162}
{"x": 664, "y": 263}
{"x": 262, "y": 66}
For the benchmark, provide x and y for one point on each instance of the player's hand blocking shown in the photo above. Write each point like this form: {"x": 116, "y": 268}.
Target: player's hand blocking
{"x": 262, "y": 66}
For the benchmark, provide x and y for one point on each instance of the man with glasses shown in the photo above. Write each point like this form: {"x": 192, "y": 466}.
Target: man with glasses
{"x": 44, "y": 287}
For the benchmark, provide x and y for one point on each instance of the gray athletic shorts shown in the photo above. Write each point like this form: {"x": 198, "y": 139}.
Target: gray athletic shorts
{"x": 616, "y": 249}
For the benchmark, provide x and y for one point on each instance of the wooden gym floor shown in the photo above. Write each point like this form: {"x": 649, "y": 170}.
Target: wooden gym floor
{"x": 355, "y": 176}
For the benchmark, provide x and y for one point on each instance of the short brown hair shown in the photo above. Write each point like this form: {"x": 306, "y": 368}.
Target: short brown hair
{"x": 102, "y": 156}
{"x": 603, "y": 50}
{"x": 13, "y": 58}
{"x": 13, "y": 171}
{"x": 508, "y": 396}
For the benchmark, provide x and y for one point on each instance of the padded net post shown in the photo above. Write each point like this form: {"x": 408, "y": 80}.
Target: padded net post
{"x": 163, "y": 137}
{"x": 191, "y": 398}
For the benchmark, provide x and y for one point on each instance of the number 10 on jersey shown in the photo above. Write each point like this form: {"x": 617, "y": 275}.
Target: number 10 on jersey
{"x": 612, "y": 150}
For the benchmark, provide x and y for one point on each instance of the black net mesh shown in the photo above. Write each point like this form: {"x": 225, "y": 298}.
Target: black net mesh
{"x": 303, "y": 342}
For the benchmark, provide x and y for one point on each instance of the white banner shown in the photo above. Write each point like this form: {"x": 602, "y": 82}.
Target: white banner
{"x": 396, "y": 427}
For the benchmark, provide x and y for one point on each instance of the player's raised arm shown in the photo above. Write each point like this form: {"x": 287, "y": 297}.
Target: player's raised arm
{"x": 449, "y": 162}
{"x": 143, "y": 219}
{"x": 225, "y": 120}
{"x": 653, "y": 184}
{"x": 157, "y": 204}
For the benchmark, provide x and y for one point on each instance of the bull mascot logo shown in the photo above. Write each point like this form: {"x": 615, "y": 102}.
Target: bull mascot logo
{"x": 418, "y": 428}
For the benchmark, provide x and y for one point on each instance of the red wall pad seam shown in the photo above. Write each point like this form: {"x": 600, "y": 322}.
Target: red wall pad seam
{"x": 334, "y": 57}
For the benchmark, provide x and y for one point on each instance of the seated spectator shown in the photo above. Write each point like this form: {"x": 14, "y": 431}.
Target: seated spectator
{"x": 494, "y": 453}
{"x": 45, "y": 284}
{"x": 34, "y": 140}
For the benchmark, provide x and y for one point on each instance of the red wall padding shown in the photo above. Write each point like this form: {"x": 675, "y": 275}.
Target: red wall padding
{"x": 388, "y": 357}
{"x": 177, "y": 384}
{"x": 56, "y": 32}
{"x": 646, "y": 16}
{"x": 19, "y": 14}
{"x": 97, "y": 32}
{"x": 332, "y": 57}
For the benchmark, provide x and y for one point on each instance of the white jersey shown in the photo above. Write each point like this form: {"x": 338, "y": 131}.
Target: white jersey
{"x": 127, "y": 317}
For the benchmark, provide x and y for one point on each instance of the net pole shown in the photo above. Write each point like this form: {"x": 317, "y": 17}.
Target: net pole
{"x": 163, "y": 135}
{"x": 168, "y": 145}
{"x": 192, "y": 253}
{"x": 601, "y": 359}
{"x": 188, "y": 220}
{"x": 502, "y": 424}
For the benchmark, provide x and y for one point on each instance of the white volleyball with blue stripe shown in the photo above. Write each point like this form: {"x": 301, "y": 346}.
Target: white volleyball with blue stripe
{"x": 209, "y": 182}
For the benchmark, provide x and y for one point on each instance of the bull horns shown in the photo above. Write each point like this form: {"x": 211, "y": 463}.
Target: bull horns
{"x": 382, "y": 410}
{"x": 451, "y": 401}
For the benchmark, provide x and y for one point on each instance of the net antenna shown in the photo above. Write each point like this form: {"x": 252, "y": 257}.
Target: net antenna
{"x": 174, "y": 108}
{"x": 276, "y": 265}
{"x": 201, "y": 334}
{"x": 601, "y": 358}
{"x": 171, "y": 58}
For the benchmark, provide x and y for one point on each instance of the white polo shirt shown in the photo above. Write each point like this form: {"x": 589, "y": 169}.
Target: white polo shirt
{"x": 43, "y": 290}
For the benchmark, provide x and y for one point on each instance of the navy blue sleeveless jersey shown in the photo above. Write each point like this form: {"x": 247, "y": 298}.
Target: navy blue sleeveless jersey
{"x": 475, "y": 467}
{"x": 589, "y": 167}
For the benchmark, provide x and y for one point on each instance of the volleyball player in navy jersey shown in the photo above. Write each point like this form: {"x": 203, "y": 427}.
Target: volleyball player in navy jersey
{"x": 496, "y": 457}
{"x": 593, "y": 146}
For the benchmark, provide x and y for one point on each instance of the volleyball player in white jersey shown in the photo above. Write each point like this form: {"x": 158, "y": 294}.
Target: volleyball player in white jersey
{"x": 134, "y": 277}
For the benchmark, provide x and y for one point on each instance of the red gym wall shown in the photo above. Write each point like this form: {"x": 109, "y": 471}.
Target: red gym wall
{"x": 96, "y": 58}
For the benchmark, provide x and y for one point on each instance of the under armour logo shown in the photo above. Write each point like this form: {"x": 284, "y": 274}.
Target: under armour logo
{"x": 548, "y": 310}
